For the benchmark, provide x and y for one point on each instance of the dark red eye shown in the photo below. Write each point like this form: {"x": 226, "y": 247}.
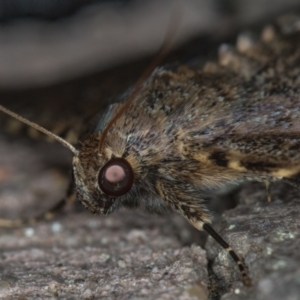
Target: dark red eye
{"x": 116, "y": 177}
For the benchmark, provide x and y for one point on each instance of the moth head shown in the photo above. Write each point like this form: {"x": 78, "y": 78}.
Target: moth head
{"x": 103, "y": 180}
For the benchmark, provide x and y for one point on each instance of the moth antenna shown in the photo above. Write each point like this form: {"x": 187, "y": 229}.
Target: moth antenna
{"x": 162, "y": 53}
{"x": 39, "y": 128}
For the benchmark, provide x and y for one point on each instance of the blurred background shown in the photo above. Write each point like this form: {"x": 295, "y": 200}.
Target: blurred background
{"x": 44, "y": 42}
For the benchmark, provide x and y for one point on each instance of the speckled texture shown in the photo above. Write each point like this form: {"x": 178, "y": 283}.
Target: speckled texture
{"x": 267, "y": 236}
{"x": 85, "y": 257}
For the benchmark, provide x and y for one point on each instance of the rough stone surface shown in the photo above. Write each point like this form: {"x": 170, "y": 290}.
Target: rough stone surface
{"x": 266, "y": 235}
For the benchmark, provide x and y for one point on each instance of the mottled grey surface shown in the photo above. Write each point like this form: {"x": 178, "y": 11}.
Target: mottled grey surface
{"x": 267, "y": 236}
{"x": 84, "y": 257}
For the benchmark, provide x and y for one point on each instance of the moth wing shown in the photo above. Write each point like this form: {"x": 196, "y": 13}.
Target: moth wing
{"x": 262, "y": 138}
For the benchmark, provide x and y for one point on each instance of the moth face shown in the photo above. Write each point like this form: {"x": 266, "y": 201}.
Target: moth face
{"x": 101, "y": 182}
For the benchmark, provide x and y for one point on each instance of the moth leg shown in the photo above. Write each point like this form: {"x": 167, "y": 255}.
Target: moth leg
{"x": 184, "y": 200}
{"x": 267, "y": 184}
{"x": 48, "y": 215}
{"x": 242, "y": 267}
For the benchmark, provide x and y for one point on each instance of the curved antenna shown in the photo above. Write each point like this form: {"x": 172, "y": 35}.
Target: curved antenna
{"x": 39, "y": 128}
{"x": 164, "y": 50}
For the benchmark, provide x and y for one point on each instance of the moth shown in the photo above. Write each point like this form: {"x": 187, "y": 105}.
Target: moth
{"x": 184, "y": 131}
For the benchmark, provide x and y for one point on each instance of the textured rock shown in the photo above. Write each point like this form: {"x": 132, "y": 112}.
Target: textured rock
{"x": 120, "y": 257}
{"x": 267, "y": 236}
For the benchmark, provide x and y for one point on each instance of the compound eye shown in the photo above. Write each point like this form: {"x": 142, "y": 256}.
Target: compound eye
{"x": 116, "y": 177}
